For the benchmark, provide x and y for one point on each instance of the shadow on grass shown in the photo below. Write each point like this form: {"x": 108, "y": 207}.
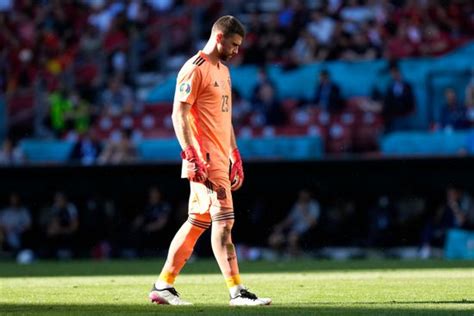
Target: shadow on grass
{"x": 390, "y": 309}
{"x": 200, "y": 266}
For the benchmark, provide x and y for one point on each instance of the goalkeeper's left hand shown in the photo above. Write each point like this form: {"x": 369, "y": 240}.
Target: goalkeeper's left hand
{"x": 236, "y": 171}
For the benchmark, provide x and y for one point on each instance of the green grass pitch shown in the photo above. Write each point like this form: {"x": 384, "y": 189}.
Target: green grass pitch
{"x": 300, "y": 287}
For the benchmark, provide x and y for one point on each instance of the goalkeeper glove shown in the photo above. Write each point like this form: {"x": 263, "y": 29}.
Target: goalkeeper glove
{"x": 196, "y": 169}
{"x": 236, "y": 171}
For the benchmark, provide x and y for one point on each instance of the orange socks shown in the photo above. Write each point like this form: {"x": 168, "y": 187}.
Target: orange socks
{"x": 233, "y": 281}
{"x": 180, "y": 250}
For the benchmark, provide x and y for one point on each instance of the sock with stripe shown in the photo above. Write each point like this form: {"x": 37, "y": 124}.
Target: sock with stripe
{"x": 234, "y": 284}
{"x": 180, "y": 250}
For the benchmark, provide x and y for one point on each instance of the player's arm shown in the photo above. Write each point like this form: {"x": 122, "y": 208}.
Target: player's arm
{"x": 181, "y": 123}
{"x": 196, "y": 170}
{"x": 233, "y": 141}
{"x": 237, "y": 169}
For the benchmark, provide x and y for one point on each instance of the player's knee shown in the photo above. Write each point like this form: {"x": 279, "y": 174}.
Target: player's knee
{"x": 223, "y": 225}
{"x": 222, "y": 230}
{"x": 223, "y": 221}
{"x": 197, "y": 224}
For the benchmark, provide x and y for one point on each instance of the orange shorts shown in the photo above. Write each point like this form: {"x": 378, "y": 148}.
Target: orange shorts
{"x": 210, "y": 198}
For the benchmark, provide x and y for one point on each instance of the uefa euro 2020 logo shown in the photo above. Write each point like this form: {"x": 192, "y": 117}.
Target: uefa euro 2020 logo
{"x": 185, "y": 88}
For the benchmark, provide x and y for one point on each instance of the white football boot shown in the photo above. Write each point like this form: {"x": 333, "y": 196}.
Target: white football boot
{"x": 246, "y": 298}
{"x": 166, "y": 296}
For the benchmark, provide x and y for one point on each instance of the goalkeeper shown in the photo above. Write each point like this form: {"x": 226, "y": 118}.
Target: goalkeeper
{"x": 202, "y": 112}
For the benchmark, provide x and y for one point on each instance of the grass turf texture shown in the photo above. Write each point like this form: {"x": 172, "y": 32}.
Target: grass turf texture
{"x": 303, "y": 287}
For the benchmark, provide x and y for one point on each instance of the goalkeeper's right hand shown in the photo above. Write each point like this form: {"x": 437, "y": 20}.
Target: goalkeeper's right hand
{"x": 196, "y": 169}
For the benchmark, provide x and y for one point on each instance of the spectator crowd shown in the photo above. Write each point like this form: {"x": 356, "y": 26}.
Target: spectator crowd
{"x": 74, "y": 69}
{"x": 97, "y": 227}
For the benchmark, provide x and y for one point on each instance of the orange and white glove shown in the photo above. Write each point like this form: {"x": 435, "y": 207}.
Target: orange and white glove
{"x": 236, "y": 170}
{"x": 196, "y": 169}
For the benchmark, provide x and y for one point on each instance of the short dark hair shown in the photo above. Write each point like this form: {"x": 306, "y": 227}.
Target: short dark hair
{"x": 229, "y": 25}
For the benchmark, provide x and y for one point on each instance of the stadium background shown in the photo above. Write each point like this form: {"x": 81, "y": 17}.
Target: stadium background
{"x": 105, "y": 70}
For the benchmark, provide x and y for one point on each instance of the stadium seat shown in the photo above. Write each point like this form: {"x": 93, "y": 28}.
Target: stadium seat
{"x": 367, "y": 130}
{"x": 46, "y": 151}
{"x": 161, "y": 112}
{"x": 166, "y": 149}
{"x": 424, "y": 143}
{"x": 339, "y": 138}
{"x": 20, "y": 103}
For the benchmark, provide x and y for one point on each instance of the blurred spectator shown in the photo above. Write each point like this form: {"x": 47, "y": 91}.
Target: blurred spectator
{"x": 87, "y": 148}
{"x": 98, "y": 220}
{"x": 61, "y": 111}
{"x": 321, "y": 27}
{"x": 398, "y": 101}
{"x": 453, "y": 113}
{"x": 435, "y": 42}
{"x": 327, "y": 96}
{"x": 457, "y": 212}
{"x": 381, "y": 221}
{"x": 15, "y": 222}
{"x": 11, "y": 154}
{"x": 399, "y": 45}
{"x": 24, "y": 75}
{"x": 61, "y": 227}
{"x": 241, "y": 109}
{"x": 267, "y": 108}
{"x": 357, "y": 12}
{"x": 79, "y": 116}
{"x": 469, "y": 99}
{"x": 83, "y": 45}
{"x": 360, "y": 49}
{"x": 252, "y": 46}
{"x": 411, "y": 210}
{"x": 148, "y": 227}
{"x": 263, "y": 79}
{"x": 90, "y": 42}
{"x": 6, "y": 5}
{"x": 302, "y": 218}
{"x": 340, "y": 221}
{"x": 118, "y": 98}
{"x": 119, "y": 151}
{"x": 470, "y": 92}
{"x": 88, "y": 79}
{"x": 103, "y": 13}
{"x": 307, "y": 49}
{"x": 273, "y": 39}
{"x": 161, "y": 5}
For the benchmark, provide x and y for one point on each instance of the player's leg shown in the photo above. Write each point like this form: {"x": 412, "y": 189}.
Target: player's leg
{"x": 180, "y": 250}
{"x": 224, "y": 251}
{"x": 223, "y": 248}
{"x": 182, "y": 246}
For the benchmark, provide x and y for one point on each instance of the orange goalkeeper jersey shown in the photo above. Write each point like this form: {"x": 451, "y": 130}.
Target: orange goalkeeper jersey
{"x": 207, "y": 87}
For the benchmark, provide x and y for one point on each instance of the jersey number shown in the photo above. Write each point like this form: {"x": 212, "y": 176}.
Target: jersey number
{"x": 225, "y": 103}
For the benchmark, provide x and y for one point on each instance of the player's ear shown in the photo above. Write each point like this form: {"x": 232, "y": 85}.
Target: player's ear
{"x": 219, "y": 37}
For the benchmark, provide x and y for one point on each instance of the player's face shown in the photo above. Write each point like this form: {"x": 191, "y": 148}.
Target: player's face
{"x": 228, "y": 46}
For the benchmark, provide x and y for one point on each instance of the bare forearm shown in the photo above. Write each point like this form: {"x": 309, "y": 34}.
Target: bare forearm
{"x": 233, "y": 141}
{"x": 181, "y": 124}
